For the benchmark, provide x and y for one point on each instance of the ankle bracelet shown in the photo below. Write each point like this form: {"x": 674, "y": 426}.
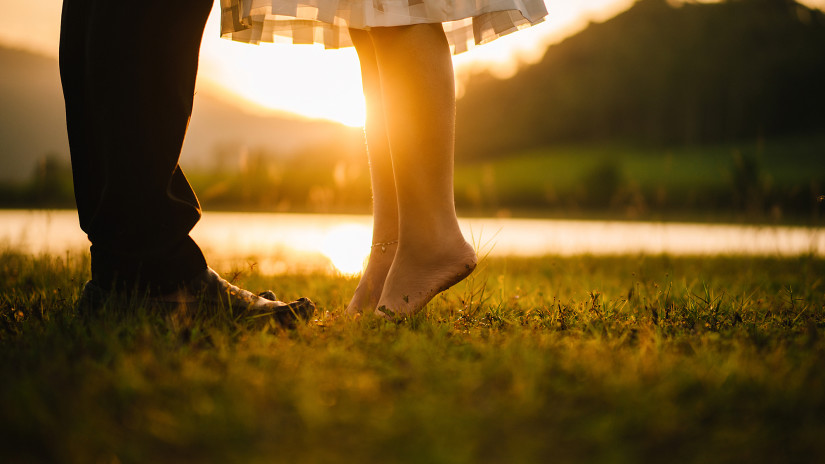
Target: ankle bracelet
{"x": 384, "y": 245}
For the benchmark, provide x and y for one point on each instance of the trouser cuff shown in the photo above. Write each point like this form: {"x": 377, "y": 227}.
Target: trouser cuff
{"x": 153, "y": 271}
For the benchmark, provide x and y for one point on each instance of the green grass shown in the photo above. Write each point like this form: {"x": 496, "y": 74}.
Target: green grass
{"x": 605, "y": 359}
{"x": 772, "y": 181}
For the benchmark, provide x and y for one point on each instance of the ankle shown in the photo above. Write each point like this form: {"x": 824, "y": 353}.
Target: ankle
{"x": 433, "y": 240}
{"x": 383, "y": 247}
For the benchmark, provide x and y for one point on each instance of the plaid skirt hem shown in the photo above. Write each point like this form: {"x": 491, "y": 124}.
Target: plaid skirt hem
{"x": 466, "y": 22}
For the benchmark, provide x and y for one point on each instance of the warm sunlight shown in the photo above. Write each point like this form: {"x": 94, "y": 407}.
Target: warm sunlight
{"x": 302, "y": 79}
{"x": 305, "y": 79}
{"x": 347, "y": 246}
{"x": 316, "y": 83}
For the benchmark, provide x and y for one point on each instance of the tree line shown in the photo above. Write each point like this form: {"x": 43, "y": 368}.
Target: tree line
{"x": 689, "y": 74}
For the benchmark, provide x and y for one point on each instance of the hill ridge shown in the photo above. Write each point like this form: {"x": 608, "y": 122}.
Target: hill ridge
{"x": 32, "y": 120}
{"x": 694, "y": 74}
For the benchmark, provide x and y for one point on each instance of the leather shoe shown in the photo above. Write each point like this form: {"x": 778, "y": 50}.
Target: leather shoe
{"x": 209, "y": 292}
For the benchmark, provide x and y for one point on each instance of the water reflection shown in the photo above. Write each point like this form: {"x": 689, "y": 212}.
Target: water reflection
{"x": 347, "y": 246}
{"x": 279, "y": 243}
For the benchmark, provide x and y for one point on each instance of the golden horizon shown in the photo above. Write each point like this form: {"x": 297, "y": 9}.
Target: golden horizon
{"x": 310, "y": 82}
{"x": 305, "y": 81}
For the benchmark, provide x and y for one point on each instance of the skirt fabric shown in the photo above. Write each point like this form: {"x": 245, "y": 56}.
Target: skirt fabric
{"x": 466, "y": 22}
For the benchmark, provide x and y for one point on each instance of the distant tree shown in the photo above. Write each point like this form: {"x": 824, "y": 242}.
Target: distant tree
{"x": 50, "y": 184}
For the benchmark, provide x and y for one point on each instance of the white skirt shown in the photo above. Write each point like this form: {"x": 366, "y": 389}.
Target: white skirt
{"x": 466, "y": 22}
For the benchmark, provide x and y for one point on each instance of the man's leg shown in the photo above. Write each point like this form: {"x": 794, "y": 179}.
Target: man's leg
{"x": 128, "y": 73}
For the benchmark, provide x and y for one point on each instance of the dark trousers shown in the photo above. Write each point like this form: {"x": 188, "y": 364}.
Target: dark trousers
{"x": 128, "y": 72}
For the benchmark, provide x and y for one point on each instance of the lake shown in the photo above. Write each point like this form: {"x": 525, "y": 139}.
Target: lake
{"x": 278, "y": 243}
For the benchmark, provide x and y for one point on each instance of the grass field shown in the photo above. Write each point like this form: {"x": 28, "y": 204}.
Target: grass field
{"x": 769, "y": 181}
{"x": 775, "y": 181}
{"x": 585, "y": 359}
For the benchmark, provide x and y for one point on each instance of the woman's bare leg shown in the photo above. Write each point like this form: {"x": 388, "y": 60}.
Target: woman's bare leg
{"x": 418, "y": 90}
{"x": 385, "y": 203}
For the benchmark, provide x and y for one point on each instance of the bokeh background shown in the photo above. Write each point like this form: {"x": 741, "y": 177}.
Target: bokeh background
{"x": 646, "y": 110}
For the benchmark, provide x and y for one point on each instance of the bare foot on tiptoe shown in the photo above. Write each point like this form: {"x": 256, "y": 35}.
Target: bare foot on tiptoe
{"x": 368, "y": 292}
{"x": 417, "y": 276}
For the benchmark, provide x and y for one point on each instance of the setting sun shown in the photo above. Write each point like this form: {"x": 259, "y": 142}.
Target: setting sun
{"x": 276, "y": 77}
{"x": 312, "y": 82}
{"x": 306, "y": 79}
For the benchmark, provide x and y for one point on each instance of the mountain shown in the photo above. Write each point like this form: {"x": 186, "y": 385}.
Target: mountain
{"x": 220, "y": 127}
{"x": 660, "y": 73}
{"x": 32, "y": 121}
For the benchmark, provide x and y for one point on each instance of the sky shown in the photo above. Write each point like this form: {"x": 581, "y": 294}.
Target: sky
{"x": 307, "y": 80}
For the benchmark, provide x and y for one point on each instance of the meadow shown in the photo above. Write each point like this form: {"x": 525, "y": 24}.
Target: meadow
{"x": 579, "y": 359}
{"x": 768, "y": 181}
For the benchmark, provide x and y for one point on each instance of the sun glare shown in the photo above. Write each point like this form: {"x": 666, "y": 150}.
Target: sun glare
{"x": 302, "y": 79}
{"x": 347, "y": 246}
{"x": 312, "y": 82}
